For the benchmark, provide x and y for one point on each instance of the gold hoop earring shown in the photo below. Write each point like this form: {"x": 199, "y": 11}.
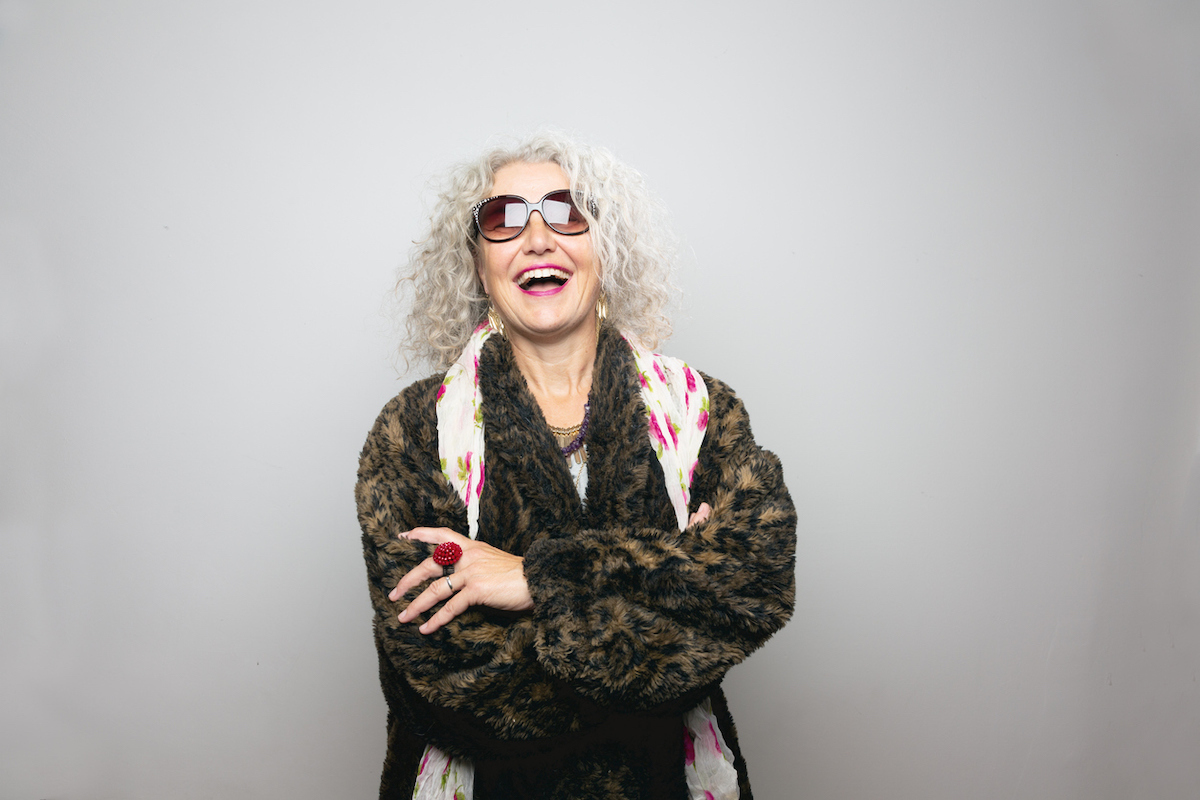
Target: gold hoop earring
{"x": 601, "y": 308}
{"x": 494, "y": 319}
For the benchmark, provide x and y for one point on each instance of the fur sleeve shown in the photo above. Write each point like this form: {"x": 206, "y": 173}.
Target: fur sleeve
{"x": 477, "y": 678}
{"x": 632, "y": 617}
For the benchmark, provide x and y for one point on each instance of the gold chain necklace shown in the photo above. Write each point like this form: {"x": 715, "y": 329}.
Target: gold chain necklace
{"x": 570, "y": 440}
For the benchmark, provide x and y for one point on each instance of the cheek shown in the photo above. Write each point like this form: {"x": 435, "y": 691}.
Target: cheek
{"x": 484, "y": 266}
{"x": 585, "y": 254}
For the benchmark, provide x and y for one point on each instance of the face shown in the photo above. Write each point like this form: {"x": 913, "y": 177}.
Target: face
{"x": 544, "y": 284}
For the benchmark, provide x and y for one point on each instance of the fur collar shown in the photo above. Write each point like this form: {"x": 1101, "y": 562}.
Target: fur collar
{"x": 527, "y": 474}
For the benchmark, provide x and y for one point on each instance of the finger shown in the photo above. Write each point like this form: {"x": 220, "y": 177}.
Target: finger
{"x": 425, "y": 571}
{"x": 433, "y": 535}
{"x": 700, "y": 514}
{"x": 435, "y": 593}
{"x": 451, "y": 609}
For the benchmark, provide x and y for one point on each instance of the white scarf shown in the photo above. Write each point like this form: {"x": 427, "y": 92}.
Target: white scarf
{"x": 676, "y": 401}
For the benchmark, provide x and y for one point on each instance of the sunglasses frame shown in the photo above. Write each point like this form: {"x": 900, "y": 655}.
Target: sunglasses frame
{"x": 529, "y": 209}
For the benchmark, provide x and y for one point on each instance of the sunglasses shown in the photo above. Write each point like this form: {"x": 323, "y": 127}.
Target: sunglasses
{"x": 504, "y": 217}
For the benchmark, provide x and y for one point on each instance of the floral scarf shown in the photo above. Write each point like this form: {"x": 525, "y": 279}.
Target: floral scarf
{"x": 676, "y": 402}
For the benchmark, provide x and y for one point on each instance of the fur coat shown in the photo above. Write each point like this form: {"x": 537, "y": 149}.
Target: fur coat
{"x": 634, "y": 622}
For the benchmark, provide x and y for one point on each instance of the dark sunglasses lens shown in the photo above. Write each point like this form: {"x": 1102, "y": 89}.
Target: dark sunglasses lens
{"x": 502, "y": 217}
{"x": 561, "y": 213}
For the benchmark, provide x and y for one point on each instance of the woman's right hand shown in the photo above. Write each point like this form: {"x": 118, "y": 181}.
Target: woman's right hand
{"x": 484, "y": 576}
{"x": 699, "y": 515}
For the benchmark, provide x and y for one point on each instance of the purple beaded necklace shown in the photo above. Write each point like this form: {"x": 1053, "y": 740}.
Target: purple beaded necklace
{"x": 577, "y": 442}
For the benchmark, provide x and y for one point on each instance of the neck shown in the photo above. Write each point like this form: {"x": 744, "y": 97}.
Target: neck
{"x": 558, "y": 373}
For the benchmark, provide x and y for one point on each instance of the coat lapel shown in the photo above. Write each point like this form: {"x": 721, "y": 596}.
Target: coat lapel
{"x": 625, "y": 483}
{"x": 528, "y": 492}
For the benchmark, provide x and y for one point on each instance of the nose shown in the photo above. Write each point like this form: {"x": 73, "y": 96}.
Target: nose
{"x": 537, "y": 234}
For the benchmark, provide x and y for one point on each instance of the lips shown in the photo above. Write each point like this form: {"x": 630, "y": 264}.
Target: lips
{"x": 543, "y": 279}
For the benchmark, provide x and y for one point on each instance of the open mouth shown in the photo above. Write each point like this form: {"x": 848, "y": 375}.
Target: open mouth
{"x": 542, "y": 279}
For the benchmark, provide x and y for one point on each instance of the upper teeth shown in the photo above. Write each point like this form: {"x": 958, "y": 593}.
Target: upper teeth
{"x": 544, "y": 272}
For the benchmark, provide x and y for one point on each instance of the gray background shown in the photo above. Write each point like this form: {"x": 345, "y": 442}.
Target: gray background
{"x": 947, "y": 252}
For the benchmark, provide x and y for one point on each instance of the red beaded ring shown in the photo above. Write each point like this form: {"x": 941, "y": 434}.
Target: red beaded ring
{"x": 447, "y": 553}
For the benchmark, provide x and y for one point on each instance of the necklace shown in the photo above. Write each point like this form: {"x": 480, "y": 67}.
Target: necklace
{"x": 570, "y": 440}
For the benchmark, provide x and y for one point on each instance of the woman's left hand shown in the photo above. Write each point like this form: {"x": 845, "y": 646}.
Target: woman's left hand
{"x": 483, "y": 576}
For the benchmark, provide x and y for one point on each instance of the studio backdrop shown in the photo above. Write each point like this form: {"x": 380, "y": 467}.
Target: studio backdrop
{"x": 947, "y": 253}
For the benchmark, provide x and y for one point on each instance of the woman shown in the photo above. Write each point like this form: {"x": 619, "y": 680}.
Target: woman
{"x": 569, "y": 539}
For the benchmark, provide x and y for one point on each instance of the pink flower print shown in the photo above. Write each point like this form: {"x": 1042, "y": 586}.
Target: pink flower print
{"x": 671, "y": 428}
{"x": 691, "y": 378}
{"x": 476, "y": 370}
{"x": 708, "y": 795}
{"x": 655, "y": 430}
{"x": 642, "y": 378}
{"x": 716, "y": 741}
{"x": 441, "y": 391}
{"x": 702, "y": 422}
{"x": 692, "y": 471}
{"x": 658, "y": 371}
{"x": 479, "y": 486}
{"x": 689, "y": 749}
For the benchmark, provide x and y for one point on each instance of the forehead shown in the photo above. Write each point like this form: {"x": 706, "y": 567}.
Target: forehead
{"x": 531, "y": 181}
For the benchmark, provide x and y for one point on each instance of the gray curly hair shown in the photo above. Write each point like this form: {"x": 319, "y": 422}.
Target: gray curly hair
{"x": 634, "y": 247}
